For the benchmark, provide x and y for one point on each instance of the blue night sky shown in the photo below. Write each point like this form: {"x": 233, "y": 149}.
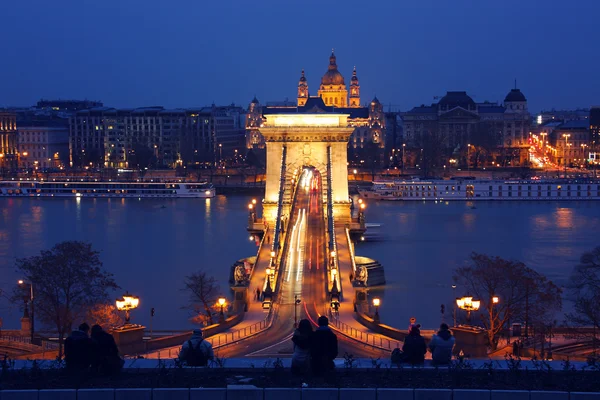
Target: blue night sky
{"x": 179, "y": 53}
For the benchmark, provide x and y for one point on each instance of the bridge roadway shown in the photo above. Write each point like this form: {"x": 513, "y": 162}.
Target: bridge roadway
{"x": 303, "y": 275}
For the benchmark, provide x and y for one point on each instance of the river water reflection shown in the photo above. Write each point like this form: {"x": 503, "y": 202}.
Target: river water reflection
{"x": 150, "y": 245}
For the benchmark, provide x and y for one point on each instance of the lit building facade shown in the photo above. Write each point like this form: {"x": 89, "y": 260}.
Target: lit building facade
{"x": 154, "y": 136}
{"x": 595, "y": 132}
{"x": 369, "y": 121}
{"x": 457, "y": 121}
{"x": 8, "y": 140}
{"x": 43, "y": 144}
{"x": 579, "y": 114}
{"x": 570, "y": 143}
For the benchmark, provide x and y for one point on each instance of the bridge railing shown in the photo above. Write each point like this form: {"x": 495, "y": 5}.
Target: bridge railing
{"x": 370, "y": 339}
{"x": 26, "y": 340}
{"x": 332, "y": 262}
{"x": 351, "y": 250}
{"x": 225, "y": 338}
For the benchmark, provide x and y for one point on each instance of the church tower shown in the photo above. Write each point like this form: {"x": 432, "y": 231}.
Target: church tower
{"x": 333, "y": 88}
{"x": 302, "y": 90}
{"x": 354, "y": 90}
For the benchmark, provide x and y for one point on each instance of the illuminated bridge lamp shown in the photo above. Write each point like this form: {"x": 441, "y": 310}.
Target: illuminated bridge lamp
{"x": 376, "y": 303}
{"x": 272, "y": 254}
{"x": 221, "y": 301}
{"x": 363, "y": 206}
{"x": 495, "y": 300}
{"x": 268, "y": 271}
{"x": 253, "y": 201}
{"x": 250, "y": 206}
{"x": 127, "y": 303}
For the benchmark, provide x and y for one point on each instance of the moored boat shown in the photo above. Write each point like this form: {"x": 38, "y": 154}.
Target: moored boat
{"x": 500, "y": 190}
{"x": 106, "y": 189}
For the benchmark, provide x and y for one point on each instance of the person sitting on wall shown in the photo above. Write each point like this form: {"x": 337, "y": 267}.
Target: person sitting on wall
{"x": 79, "y": 349}
{"x": 414, "y": 348}
{"x": 441, "y": 345}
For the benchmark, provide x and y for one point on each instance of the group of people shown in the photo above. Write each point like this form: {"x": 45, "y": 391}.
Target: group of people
{"x": 97, "y": 351}
{"x": 314, "y": 351}
{"x": 414, "y": 348}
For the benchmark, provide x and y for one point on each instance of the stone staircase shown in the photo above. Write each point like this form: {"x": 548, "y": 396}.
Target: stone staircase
{"x": 375, "y": 271}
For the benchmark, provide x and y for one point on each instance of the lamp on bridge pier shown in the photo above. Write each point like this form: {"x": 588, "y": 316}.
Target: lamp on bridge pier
{"x": 376, "y": 303}
{"x": 221, "y": 301}
{"x": 127, "y": 303}
{"x": 468, "y": 304}
{"x": 28, "y": 288}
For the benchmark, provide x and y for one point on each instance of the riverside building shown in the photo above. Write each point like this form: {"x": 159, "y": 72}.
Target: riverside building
{"x": 155, "y": 136}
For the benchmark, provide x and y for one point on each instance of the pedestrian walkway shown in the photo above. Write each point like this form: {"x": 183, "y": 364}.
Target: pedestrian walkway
{"x": 345, "y": 321}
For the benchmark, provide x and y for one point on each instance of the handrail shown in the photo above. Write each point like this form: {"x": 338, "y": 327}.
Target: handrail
{"x": 331, "y": 223}
{"x": 45, "y": 344}
{"x": 369, "y": 339}
{"x": 280, "y": 200}
{"x": 351, "y": 248}
{"x": 224, "y": 339}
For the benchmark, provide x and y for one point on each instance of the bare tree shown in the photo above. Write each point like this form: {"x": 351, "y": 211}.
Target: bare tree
{"x": 106, "y": 315}
{"x": 68, "y": 280}
{"x": 584, "y": 290}
{"x": 203, "y": 291}
{"x": 521, "y": 292}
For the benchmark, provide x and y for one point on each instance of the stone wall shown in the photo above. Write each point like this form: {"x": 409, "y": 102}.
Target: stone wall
{"x": 177, "y": 340}
{"x": 248, "y": 392}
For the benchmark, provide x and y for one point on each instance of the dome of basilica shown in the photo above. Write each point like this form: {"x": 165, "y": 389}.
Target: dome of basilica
{"x": 332, "y": 76}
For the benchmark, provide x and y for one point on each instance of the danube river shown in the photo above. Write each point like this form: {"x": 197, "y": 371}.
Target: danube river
{"x": 151, "y": 244}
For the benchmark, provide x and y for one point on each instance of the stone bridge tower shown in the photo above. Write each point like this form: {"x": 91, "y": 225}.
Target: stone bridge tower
{"x": 308, "y": 137}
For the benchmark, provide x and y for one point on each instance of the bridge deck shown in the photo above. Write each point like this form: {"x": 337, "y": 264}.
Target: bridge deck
{"x": 346, "y": 311}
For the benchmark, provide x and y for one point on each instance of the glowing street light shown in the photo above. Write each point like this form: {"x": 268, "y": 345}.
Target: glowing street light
{"x": 495, "y": 300}
{"x": 127, "y": 303}
{"x": 221, "y": 301}
{"x": 29, "y": 286}
{"x": 376, "y": 303}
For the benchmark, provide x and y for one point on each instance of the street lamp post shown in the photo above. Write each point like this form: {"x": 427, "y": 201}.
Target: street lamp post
{"x": 468, "y": 304}
{"x": 296, "y": 302}
{"x": 566, "y": 136}
{"x": 403, "y": 147}
{"x": 454, "y": 305}
{"x": 376, "y": 303}
{"x": 583, "y": 146}
{"x": 127, "y": 303}
{"x": 468, "y": 157}
{"x": 221, "y": 302}
{"x": 23, "y": 284}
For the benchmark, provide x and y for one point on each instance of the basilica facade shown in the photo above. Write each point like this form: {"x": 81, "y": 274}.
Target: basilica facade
{"x": 333, "y": 96}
